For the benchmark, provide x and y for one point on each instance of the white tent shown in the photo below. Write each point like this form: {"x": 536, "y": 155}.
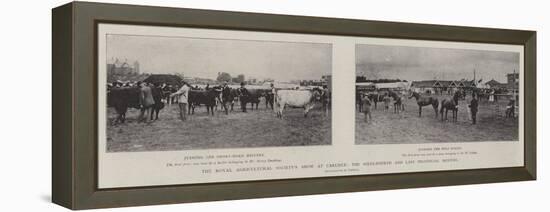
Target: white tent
{"x": 393, "y": 85}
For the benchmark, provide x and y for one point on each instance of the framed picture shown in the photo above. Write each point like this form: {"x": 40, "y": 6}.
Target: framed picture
{"x": 159, "y": 105}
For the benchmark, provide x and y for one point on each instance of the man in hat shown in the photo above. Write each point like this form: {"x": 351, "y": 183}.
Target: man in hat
{"x": 183, "y": 100}
{"x": 243, "y": 96}
{"x": 270, "y": 96}
{"x": 473, "y": 108}
{"x": 366, "y": 107}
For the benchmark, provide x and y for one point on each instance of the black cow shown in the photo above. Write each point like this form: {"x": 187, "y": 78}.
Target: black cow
{"x": 253, "y": 97}
{"x": 228, "y": 98}
{"x": 158, "y": 95}
{"x": 128, "y": 97}
{"x": 203, "y": 97}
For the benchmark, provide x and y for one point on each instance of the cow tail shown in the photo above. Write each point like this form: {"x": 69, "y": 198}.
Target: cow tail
{"x": 275, "y": 104}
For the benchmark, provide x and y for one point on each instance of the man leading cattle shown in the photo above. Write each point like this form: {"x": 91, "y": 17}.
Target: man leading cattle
{"x": 243, "y": 96}
{"x": 146, "y": 101}
{"x": 270, "y": 96}
{"x": 183, "y": 100}
{"x": 226, "y": 98}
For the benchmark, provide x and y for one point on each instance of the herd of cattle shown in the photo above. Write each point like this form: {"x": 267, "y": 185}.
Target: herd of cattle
{"x": 122, "y": 98}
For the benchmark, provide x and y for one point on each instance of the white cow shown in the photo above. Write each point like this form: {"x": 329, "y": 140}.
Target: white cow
{"x": 296, "y": 98}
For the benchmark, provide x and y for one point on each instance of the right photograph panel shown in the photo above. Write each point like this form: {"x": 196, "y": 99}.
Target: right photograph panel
{"x": 407, "y": 95}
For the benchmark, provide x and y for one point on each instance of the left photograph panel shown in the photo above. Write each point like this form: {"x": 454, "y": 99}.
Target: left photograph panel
{"x": 168, "y": 93}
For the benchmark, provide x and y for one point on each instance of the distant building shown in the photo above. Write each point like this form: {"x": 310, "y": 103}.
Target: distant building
{"x": 122, "y": 70}
{"x": 252, "y": 81}
{"x": 326, "y": 80}
{"x": 442, "y": 86}
{"x": 513, "y": 78}
{"x": 493, "y": 84}
{"x": 511, "y": 86}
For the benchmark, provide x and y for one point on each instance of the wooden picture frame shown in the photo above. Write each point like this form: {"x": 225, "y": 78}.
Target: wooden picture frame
{"x": 74, "y": 91}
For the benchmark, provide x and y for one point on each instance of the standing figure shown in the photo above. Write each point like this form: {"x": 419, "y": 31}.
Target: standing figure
{"x": 243, "y": 96}
{"x": 158, "y": 96}
{"x": 146, "y": 101}
{"x": 270, "y": 96}
{"x": 227, "y": 98}
{"x": 473, "y": 108}
{"x": 511, "y": 108}
{"x": 387, "y": 101}
{"x": 366, "y": 107}
{"x": 183, "y": 100}
{"x": 326, "y": 99}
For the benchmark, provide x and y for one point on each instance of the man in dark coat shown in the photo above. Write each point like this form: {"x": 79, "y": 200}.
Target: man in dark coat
{"x": 270, "y": 96}
{"x": 511, "y": 108}
{"x": 243, "y": 96}
{"x": 473, "y": 108}
{"x": 146, "y": 101}
{"x": 366, "y": 107}
{"x": 158, "y": 96}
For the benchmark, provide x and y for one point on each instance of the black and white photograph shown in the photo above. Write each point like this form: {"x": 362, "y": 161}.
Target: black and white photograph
{"x": 167, "y": 93}
{"x": 407, "y": 94}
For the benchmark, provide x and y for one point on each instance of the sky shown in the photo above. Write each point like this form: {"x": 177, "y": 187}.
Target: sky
{"x": 196, "y": 57}
{"x": 422, "y": 63}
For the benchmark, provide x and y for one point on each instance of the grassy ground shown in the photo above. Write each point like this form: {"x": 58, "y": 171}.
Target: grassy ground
{"x": 406, "y": 127}
{"x": 258, "y": 128}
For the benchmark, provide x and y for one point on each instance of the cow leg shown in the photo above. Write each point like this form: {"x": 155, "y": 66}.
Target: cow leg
{"x": 280, "y": 113}
{"x": 157, "y": 115}
{"x": 225, "y": 108}
{"x": 456, "y": 115}
{"x": 119, "y": 118}
{"x": 243, "y": 106}
{"x": 307, "y": 109}
{"x": 420, "y": 111}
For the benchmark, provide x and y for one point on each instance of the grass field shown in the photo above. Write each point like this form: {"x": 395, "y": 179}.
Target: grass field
{"x": 258, "y": 128}
{"x": 406, "y": 127}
